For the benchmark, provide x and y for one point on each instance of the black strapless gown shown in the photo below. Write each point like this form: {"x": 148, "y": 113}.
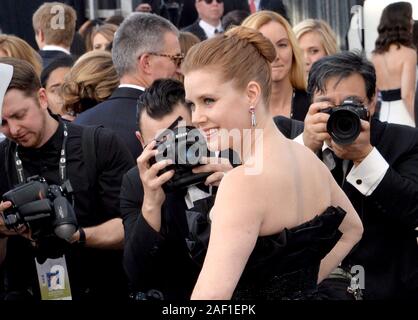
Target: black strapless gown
{"x": 285, "y": 266}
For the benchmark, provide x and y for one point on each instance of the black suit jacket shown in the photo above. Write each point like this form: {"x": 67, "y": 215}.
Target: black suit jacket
{"x": 196, "y": 30}
{"x": 118, "y": 113}
{"x": 156, "y": 260}
{"x": 388, "y": 250}
{"x": 50, "y": 55}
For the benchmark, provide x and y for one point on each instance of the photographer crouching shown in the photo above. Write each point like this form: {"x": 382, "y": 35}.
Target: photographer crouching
{"x": 60, "y": 229}
{"x": 166, "y": 198}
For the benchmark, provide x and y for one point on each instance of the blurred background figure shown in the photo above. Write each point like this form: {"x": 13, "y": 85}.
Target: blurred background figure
{"x": 86, "y": 31}
{"x": 53, "y": 41}
{"x": 52, "y": 79}
{"x": 187, "y": 40}
{"x": 275, "y": 5}
{"x": 395, "y": 60}
{"x": 316, "y": 40}
{"x": 102, "y": 36}
{"x": 14, "y": 47}
{"x": 209, "y": 23}
{"x": 144, "y": 6}
{"x": 234, "y": 18}
{"x": 288, "y": 92}
{"x": 90, "y": 81}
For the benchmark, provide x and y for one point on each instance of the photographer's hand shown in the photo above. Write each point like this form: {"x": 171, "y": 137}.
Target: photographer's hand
{"x": 359, "y": 149}
{"x": 315, "y": 132}
{"x": 4, "y": 231}
{"x": 154, "y": 195}
{"x": 219, "y": 166}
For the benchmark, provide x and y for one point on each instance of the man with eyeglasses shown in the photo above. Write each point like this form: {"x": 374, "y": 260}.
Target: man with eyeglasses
{"x": 209, "y": 22}
{"x": 145, "y": 48}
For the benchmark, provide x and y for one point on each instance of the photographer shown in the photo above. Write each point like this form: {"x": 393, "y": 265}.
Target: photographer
{"x": 157, "y": 254}
{"x": 86, "y": 169}
{"x": 377, "y": 170}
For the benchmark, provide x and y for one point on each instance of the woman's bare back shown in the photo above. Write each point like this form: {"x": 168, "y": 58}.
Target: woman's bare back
{"x": 390, "y": 66}
{"x": 296, "y": 186}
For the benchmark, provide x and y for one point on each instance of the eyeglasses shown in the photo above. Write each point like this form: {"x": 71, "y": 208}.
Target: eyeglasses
{"x": 210, "y": 1}
{"x": 177, "y": 58}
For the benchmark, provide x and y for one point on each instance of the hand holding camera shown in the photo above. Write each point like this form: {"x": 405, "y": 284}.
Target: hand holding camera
{"x": 152, "y": 182}
{"x": 43, "y": 209}
{"x": 345, "y": 128}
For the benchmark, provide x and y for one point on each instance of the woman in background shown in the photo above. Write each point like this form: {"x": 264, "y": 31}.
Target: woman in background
{"x": 316, "y": 39}
{"x": 288, "y": 91}
{"x": 102, "y": 36}
{"x": 395, "y": 62}
{"x": 91, "y": 80}
{"x": 14, "y": 47}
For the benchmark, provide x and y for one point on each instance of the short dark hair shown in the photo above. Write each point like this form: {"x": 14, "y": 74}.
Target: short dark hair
{"x": 160, "y": 99}
{"x": 342, "y": 65}
{"x": 24, "y": 77}
{"x": 64, "y": 61}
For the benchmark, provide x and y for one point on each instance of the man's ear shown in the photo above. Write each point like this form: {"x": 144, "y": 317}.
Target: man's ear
{"x": 140, "y": 138}
{"x": 42, "y": 98}
{"x": 253, "y": 92}
{"x": 144, "y": 64}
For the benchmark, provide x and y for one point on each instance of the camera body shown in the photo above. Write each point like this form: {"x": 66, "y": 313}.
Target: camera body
{"x": 344, "y": 123}
{"x": 43, "y": 208}
{"x": 184, "y": 146}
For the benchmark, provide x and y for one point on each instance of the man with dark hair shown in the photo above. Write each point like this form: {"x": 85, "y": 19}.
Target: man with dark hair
{"x": 378, "y": 172}
{"x": 161, "y": 258}
{"x": 145, "y": 48}
{"x": 91, "y": 161}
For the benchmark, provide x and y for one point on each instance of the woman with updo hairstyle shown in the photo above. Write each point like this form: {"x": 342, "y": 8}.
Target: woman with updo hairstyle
{"x": 288, "y": 90}
{"x": 14, "y": 47}
{"x": 91, "y": 80}
{"x": 395, "y": 59}
{"x": 316, "y": 40}
{"x": 280, "y": 223}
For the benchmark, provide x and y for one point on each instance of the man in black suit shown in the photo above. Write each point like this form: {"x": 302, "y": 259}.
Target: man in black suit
{"x": 145, "y": 48}
{"x": 378, "y": 172}
{"x": 54, "y": 27}
{"x": 209, "y": 23}
{"x": 158, "y": 225}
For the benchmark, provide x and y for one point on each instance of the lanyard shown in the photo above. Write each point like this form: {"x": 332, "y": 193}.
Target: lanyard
{"x": 62, "y": 162}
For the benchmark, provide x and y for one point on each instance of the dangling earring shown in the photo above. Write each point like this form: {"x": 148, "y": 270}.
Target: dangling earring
{"x": 253, "y": 118}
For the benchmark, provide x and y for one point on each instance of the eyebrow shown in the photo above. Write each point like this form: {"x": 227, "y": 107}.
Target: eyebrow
{"x": 323, "y": 99}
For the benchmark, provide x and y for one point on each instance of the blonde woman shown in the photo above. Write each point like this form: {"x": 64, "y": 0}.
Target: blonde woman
{"x": 316, "y": 39}
{"x": 14, "y": 47}
{"x": 102, "y": 36}
{"x": 288, "y": 91}
{"x": 91, "y": 80}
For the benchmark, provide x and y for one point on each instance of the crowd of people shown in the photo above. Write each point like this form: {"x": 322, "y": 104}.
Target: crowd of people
{"x": 305, "y": 184}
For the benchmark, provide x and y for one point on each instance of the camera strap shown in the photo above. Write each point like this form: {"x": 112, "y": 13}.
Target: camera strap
{"x": 62, "y": 161}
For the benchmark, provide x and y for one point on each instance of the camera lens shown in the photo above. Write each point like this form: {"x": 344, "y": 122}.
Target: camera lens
{"x": 344, "y": 126}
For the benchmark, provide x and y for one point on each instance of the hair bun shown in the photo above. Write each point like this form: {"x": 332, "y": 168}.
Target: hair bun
{"x": 255, "y": 38}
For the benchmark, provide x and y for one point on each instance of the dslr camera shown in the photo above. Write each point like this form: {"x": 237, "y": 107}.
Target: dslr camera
{"x": 43, "y": 208}
{"x": 344, "y": 125}
{"x": 184, "y": 146}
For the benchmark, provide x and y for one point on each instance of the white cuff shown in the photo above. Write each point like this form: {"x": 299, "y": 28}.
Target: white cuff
{"x": 369, "y": 173}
